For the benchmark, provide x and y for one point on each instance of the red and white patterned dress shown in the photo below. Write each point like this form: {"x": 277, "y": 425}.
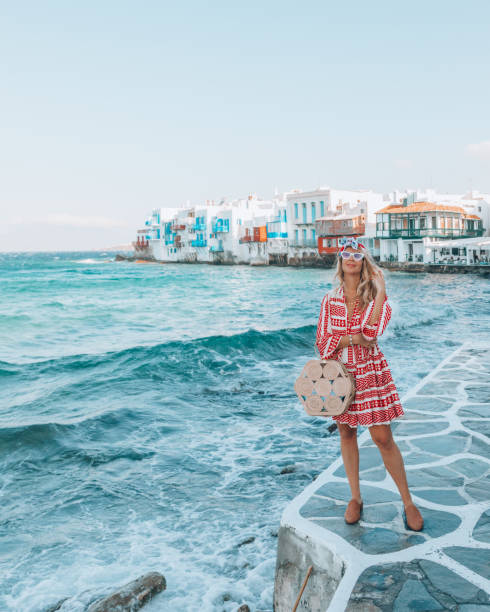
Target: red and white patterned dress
{"x": 376, "y": 401}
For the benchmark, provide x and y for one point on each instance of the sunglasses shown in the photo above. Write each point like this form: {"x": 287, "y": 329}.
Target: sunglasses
{"x": 349, "y": 254}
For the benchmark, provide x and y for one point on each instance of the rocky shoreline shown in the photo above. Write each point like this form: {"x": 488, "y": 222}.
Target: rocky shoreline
{"x": 318, "y": 262}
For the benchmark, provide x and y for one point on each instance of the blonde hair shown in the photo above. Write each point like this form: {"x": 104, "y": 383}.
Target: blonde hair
{"x": 366, "y": 289}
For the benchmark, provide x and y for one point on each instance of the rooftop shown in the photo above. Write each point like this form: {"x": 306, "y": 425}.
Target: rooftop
{"x": 418, "y": 207}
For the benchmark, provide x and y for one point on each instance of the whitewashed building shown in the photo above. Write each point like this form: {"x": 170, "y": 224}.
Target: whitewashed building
{"x": 405, "y": 230}
{"x": 474, "y": 202}
{"x": 305, "y": 207}
{"x": 214, "y": 233}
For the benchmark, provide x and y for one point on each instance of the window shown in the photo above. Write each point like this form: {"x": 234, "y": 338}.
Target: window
{"x": 296, "y": 236}
{"x": 434, "y": 223}
{"x": 304, "y": 236}
{"x": 296, "y": 210}
{"x": 304, "y": 212}
{"x": 313, "y": 235}
{"x": 322, "y": 208}
{"x": 313, "y": 212}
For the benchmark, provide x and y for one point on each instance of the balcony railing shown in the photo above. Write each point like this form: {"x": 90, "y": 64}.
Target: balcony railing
{"x": 277, "y": 234}
{"x": 199, "y": 227}
{"x": 219, "y": 227}
{"x": 436, "y": 232}
{"x": 216, "y": 249}
{"x": 199, "y": 243}
{"x": 310, "y": 243}
{"x": 178, "y": 227}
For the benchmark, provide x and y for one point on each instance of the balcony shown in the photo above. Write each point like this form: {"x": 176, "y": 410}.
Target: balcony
{"x": 220, "y": 227}
{"x": 199, "y": 227}
{"x": 140, "y": 245}
{"x": 435, "y": 232}
{"x": 177, "y": 227}
{"x": 246, "y": 238}
{"x": 277, "y": 234}
{"x": 310, "y": 243}
{"x": 199, "y": 243}
{"x": 216, "y": 249}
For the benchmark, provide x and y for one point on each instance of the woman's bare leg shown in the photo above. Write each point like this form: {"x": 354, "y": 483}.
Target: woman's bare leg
{"x": 350, "y": 456}
{"x": 393, "y": 460}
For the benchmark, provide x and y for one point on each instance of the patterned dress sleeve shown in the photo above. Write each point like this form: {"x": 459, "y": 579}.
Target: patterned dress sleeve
{"x": 326, "y": 341}
{"x": 370, "y": 332}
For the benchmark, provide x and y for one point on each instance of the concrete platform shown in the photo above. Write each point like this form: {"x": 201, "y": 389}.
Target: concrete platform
{"x": 377, "y": 564}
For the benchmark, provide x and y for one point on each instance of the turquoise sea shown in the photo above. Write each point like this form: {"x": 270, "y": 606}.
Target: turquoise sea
{"x": 147, "y": 412}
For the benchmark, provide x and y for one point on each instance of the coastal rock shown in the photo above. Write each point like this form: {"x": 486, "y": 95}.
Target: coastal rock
{"x": 132, "y": 596}
{"x": 136, "y": 258}
{"x": 247, "y": 541}
{"x": 57, "y": 605}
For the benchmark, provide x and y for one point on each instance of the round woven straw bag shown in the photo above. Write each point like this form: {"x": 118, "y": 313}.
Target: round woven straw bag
{"x": 325, "y": 387}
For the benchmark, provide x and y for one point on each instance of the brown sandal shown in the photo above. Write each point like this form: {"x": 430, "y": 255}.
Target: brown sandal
{"x": 353, "y": 511}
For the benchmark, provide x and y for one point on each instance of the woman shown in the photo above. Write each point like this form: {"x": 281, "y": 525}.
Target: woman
{"x": 352, "y": 317}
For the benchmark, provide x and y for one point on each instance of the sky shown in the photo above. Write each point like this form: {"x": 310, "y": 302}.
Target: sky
{"x": 111, "y": 108}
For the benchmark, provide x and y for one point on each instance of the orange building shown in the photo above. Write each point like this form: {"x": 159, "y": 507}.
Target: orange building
{"x": 330, "y": 229}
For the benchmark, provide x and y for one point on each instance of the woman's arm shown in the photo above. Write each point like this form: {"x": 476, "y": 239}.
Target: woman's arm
{"x": 377, "y": 309}
{"x": 380, "y": 313}
{"x": 374, "y": 330}
{"x": 326, "y": 341}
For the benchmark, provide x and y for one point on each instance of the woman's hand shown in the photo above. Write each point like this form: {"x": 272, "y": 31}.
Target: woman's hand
{"x": 359, "y": 339}
{"x": 379, "y": 282}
